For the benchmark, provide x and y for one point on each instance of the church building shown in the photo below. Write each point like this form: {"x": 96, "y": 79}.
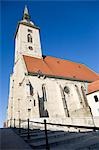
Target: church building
{"x": 45, "y": 86}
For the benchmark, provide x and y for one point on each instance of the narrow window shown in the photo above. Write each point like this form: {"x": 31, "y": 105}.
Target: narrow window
{"x": 78, "y": 92}
{"x": 44, "y": 92}
{"x": 31, "y": 89}
{"x": 34, "y": 103}
{"x": 96, "y": 98}
{"x": 29, "y": 38}
{"x": 64, "y": 101}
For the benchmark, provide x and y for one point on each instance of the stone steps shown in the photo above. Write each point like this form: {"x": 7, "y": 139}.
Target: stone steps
{"x": 58, "y": 140}
{"x": 24, "y": 131}
{"x": 9, "y": 140}
{"x": 90, "y": 143}
{"x": 42, "y": 136}
{"x": 36, "y": 133}
{"x": 62, "y": 140}
{"x": 85, "y": 143}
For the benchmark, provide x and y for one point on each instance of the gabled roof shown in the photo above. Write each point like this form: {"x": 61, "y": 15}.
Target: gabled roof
{"x": 93, "y": 87}
{"x": 60, "y": 68}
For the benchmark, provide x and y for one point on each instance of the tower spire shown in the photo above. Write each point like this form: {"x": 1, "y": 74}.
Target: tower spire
{"x": 26, "y": 15}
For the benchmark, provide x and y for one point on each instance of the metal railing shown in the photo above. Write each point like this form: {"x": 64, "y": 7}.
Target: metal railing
{"x": 19, "y": 126}
{"x": 28, "y": 121}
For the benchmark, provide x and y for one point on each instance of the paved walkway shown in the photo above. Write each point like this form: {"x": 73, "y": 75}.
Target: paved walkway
{"x": 11, "y": 141}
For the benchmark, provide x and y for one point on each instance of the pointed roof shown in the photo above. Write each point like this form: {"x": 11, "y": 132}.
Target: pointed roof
{"x": 26, "y": 21}
{"x": 55, "y": 67}
{"x": 26, "y": 10}
{"x": 26, "y": 15}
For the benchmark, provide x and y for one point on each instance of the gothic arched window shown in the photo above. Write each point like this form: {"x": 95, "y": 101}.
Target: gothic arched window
{"x": 31, "y": 89}
{"x": 84, "y": 95}
{"x": 79, "y": 94}
{"x": 44, "y": 92}
{"x": 63, "y": 91}
{"x": 29, "y": 38}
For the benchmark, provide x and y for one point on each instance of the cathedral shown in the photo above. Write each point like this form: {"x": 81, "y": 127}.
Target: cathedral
{"x": 45, "y": 86}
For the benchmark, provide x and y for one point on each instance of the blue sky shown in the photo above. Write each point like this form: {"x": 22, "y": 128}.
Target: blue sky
{"x": 69, "y": 30}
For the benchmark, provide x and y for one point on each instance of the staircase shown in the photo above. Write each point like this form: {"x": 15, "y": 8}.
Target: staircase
{"x": 61, "y": 140}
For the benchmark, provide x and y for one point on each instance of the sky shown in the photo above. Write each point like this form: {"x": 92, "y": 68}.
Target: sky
{"x": 69, "y": 30}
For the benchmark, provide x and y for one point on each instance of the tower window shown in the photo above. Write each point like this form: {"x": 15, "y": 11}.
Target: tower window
{"x": 30, "y": 47}
{"x": 96, "y": 98}
{"x": 29, "y": 30}
{"x": 29, "y": 38}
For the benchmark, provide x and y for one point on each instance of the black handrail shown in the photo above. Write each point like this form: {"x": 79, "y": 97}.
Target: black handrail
{"x": 67, "y": 125}
{"x": 75, "y": 126}
{"x": 56, "y": 124}
{"x": 94, "y": 128}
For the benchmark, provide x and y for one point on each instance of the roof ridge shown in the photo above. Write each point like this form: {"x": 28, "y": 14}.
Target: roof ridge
{"x": 90, "y": 69}
{"x": 75, "y": 63}
{"x": 65, "y": 60}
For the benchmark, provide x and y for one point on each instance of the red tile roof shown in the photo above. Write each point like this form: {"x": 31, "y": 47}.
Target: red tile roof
{"x": 57, "y": 67}
{"x": 94, "y": 86}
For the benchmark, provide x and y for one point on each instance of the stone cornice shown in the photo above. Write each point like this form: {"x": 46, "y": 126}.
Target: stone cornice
{"x": 56, "y": 77}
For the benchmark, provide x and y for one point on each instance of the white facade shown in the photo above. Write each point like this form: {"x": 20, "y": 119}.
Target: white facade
{"x": 93, "y": 101}
{"x": 33, "y": 96}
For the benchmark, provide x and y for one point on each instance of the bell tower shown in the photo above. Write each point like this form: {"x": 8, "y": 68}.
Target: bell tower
{"x": 27, "y": 38}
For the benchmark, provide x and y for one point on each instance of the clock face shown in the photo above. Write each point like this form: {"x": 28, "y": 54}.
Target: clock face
{"x": 30, "y": 48}
{"x": 66, "y": 90}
